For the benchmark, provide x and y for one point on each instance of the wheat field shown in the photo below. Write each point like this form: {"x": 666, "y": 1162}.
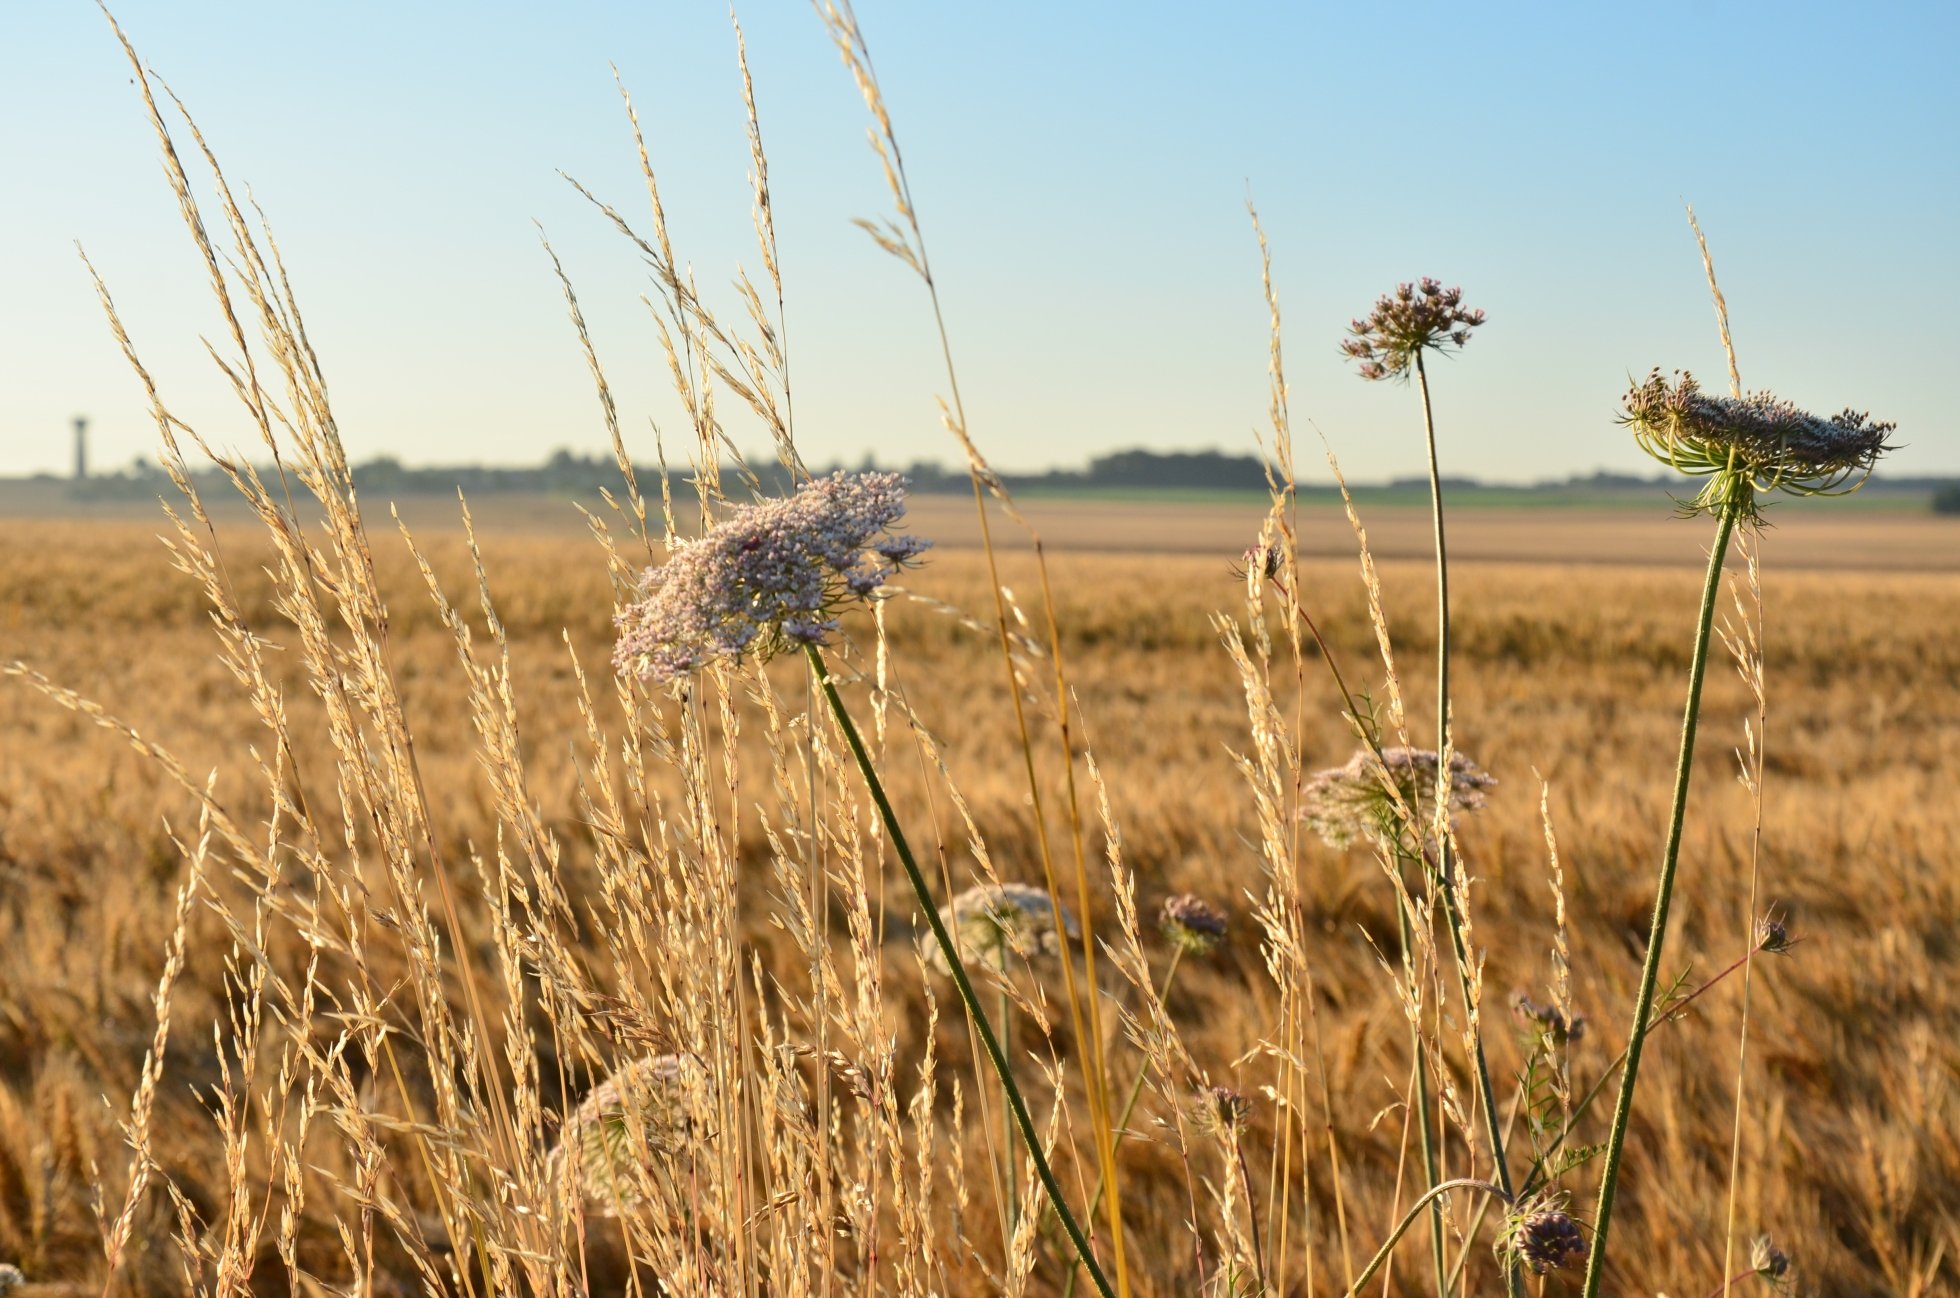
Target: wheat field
{"x": 1567, "y": 671}
{"x": 726, "y": 902}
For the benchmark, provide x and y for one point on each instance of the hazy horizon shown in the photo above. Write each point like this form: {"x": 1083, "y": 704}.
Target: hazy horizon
{"x": 1081, "y": 177}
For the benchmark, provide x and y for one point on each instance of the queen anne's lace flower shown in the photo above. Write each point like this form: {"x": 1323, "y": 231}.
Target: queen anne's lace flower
{"x": 1345, "y": 803}
{"x": 643, "y": 1109}
{"x": 774, "y": 576}
{"x": 1759, "y": 436}
{"x": 1542, "y": 1236}
{"x": 990, "y": 919}
{"x": 1769, "y": 1261}
{"x": 1192, "y": 924}
{"x": 1414, "y": 318}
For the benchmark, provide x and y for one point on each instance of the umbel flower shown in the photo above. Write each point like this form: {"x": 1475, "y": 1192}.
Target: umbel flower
{"x": 1192, "y": 924}
{"x": 1547, "y": 1020}
{"x": 1773, "y": 934}
{"x": 1345, "y": 803}
{"x": 1769, "y": 1261}
{"x": 641, "y": 1110}
{"x": 1542, "y": 1236}
{"x": 772, "y": 577}
{"x": 1758, "y": 439}
{"x": 990, "y": 919}
{"x": 1415, "y": 317}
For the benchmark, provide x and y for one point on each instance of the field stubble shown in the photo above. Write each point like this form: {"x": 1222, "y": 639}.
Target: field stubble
{"x": 1571, "y": 671}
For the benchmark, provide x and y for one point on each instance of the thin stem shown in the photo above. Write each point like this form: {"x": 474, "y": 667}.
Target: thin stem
{"x": 950, "y": 950}
{"x": 1444, "y": 848}
{"x": 1123, "y": 1121}
{"x": 1006, "y": 1003}
{"x": 1734, "y": 504}
{"x": 1424, "y": 1122}
{"x": 1409, "y": 1218}
{"x": 1251, "y": 1216}
{"x": 1737, "y": 1278}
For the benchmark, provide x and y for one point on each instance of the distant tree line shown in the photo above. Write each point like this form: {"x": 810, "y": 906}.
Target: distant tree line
{"x": 568, "y": 472}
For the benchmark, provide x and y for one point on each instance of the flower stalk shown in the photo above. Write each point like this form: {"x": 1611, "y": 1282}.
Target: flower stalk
{"x": 991, "y": 1043}
{"x": 1737, "y": 502}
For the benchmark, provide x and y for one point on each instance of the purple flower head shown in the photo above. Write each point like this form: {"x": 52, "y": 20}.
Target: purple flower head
{"x": 770, "y": 578}
{"x": 1404, "y": 323}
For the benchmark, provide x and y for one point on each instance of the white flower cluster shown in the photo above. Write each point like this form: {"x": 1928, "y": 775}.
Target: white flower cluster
{"x": 643, "y": 1108}
{"x": 990, "y": 919}
{"x": 772, "y": 577}
{"x": 1344, "y": 803}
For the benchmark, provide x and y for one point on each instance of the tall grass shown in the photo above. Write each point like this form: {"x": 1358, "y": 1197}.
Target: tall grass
{"x": 634, "y": 1000}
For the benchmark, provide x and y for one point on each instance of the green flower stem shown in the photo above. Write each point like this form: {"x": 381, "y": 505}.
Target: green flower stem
{"x": 1513, "y": 1282}
{"x": 1129, "y": 1107}
{"x": 1005, "y": 1001}
{"x": 1424, "y": 1122}
{"x": 960, "y": 980}
{"x": 1409, "y": 1218}
{"x": 1735, "y": 503}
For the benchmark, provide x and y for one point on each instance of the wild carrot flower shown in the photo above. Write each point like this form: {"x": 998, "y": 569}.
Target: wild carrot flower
{"x": 11, "y": 1278}
{"x": 1773, "y": 934}
{"x": 1415, "y": 317}
{"x": 1265, "y": 558}
{"x": 1344, "y": 803}
{"x": 1759, "y": 438}
{"x": 1769, "y": 1261}
{"x": 1548, "y": 1021}
{"x": 990, "y": 919}
{"x": 642, "y": 1108}
{"x": 1542, "y": 1236}
{"x": 772, "y": 577}
{"x": 1192, "y": 924}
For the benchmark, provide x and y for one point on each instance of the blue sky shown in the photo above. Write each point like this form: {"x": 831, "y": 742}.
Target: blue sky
{"x": 1081, "y": 170}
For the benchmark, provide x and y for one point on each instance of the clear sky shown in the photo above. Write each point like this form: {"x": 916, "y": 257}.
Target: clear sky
{"x": 1081, "y": 169}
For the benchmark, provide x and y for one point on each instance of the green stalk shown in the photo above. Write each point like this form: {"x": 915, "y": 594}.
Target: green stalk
{"x": 1735, "y": 503}
{"x": 1513, "y": 1282}
{"x": 1408, "y": 1220}
{"x": 1012, "y": 1181}
{"x": 960, "y": 980}
{"x": 1426, "y": 1129}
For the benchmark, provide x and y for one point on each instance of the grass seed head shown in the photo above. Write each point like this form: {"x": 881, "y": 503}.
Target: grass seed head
{"x": 1222, "y": 1111}
{"x": 773, "y": 577}
{"x": 1192, "y": 924}
{"x": 1415, "y": 317}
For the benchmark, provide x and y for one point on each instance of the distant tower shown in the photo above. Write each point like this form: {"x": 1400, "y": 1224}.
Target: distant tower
{"x": 81, "y": 448}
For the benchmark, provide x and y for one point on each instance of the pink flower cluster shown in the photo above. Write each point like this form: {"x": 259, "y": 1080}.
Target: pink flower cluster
{"x": 772, "y": 577}
{"x": 1403, "y": 323}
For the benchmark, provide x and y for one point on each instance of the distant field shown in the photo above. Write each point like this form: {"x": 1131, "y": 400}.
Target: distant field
{"x": 1879, "y": 539}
